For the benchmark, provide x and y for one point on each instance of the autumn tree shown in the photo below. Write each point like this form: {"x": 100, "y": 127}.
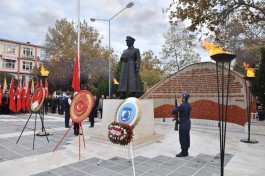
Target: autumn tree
{"x": 178, "y": 50}
{"x": 258, "y": 86}
{"x": 61, "y": 45}
{"x": 237, "y": 26}
{"x": 151, "y": 72}
{"x": 212, "y": 14}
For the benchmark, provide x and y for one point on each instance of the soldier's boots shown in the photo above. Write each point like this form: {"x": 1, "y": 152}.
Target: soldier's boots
{"x": 183, "y": 153}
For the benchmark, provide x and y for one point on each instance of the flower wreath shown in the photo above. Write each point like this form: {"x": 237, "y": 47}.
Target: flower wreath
{"x": 120, "y": 133}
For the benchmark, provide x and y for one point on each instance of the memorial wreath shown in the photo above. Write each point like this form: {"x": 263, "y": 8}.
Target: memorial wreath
{"x": 120, "y": 133}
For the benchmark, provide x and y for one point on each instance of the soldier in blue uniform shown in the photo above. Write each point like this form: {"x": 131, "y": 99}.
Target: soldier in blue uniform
{"x": 184, "y": 124}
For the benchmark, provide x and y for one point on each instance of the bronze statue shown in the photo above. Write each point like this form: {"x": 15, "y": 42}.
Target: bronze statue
{"x": 129, "y": 77}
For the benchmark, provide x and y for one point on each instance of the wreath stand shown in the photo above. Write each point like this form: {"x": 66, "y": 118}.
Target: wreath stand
{"x": 130, "y": 156}
{"x": 80, "y": 128}
{"x": 41, "y": 118}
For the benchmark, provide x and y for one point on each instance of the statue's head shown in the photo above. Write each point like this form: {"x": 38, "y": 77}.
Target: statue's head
{"x": 129, "y": 40}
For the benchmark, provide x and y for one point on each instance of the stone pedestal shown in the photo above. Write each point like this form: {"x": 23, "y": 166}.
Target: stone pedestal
{"x": 144, "y": 132}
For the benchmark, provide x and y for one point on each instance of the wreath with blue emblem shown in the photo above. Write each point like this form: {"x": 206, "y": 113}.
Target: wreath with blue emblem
{"x": 120, "y": 133}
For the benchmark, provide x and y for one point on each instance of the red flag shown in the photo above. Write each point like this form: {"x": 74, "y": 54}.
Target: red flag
{"x": 37, "y": 85}
{"x": 12, "y": 104}
{"x": 76, "y": 81}
{"x": 46, "y": 88}
{"x": 40, "y": 83}
{"x": 23, "y": 95}
{"x": 18, "y": 94}
{"x": 1, "y": 90}
{"x": 28, "y": 97}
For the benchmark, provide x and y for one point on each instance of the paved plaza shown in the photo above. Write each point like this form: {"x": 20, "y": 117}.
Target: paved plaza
{"x": 157, "y": 159}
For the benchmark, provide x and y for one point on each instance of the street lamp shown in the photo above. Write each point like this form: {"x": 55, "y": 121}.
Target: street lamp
{"x": 94, "y": 19}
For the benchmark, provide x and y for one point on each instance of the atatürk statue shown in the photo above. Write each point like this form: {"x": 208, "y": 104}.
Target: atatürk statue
{"x": 129, "y": 77}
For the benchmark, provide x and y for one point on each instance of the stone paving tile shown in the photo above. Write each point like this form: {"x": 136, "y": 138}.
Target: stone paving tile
{"x": 129, "y": 172}
{"x": 76, "y": 173}
{"x": 194, "y": 165}
{"x": 160, "y": 171}
{"x": 153, "y": 162}
{"x": 140, "y": 158}
{"x": 63, "y": 170}
{"x": 176, "y": 173}
{"x": 79, "y": 164}
{"x": 144, "y": 167}
{"x": 162, "y": 158}
{"x": 187, "y": 170}
{"x": 104, "y": 172}
{"x": 118, "y": 168}
{"x": 91, "y": 168}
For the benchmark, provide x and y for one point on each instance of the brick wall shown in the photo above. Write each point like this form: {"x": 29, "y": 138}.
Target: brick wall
{"x": 200, "y": 81}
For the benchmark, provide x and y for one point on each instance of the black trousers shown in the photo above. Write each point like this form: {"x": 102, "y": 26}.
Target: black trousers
{"x": 184, "y": 139}
{"x": 76, "y": 128}
{"x": 67, "y": 118}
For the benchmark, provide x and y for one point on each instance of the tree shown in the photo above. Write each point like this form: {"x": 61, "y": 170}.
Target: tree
{"x": 151, "y": 72}
{"x": 258, "y": 85}
{"x": 178, "y": 50}
{"x": 61, "y": 45}
{"x": 214, "y": 13}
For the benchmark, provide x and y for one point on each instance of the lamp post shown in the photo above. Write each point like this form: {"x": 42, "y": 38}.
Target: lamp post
{"x": 108, "y": 20}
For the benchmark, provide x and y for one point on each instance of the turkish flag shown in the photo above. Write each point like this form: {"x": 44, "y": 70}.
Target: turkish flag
{"x": 12, "y": 104}
{"x": 1, "y": 96}
{"x": 76, "y": 80}
{"x": 28, "y": 97}
{"x": 18, "y": 94}
{"x": 23, "y": 95}
{"x": 37, "y": 85}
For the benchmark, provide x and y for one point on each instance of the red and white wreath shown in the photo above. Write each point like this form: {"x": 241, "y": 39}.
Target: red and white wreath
{"x": 120, "y": 133}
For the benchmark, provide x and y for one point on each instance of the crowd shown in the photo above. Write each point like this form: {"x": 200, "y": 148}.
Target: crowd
{"x": 61, "y": 105}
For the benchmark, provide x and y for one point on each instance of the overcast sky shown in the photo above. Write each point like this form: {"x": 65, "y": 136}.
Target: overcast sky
{"x": 28, "y": 21}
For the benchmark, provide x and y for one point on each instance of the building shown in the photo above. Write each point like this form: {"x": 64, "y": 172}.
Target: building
{"x": 18, "y": 58}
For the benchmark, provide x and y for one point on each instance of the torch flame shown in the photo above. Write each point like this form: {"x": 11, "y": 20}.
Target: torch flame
{"x": 250, "y": 71}
{"x": 213, "y": 49}
{"x": 43, "y": 71}
{"x": 115, "y": 81}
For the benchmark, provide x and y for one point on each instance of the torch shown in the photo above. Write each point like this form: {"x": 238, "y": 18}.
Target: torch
{"x": 222, "y": 58}
{"x": 250, "y": 77}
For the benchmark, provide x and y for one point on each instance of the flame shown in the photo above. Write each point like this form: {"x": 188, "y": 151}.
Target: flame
{"x": 250, "y": 71}
{"x": 213, "y": 49}
{"x": 43, "y": 71}
{"x": 115, "y": 81}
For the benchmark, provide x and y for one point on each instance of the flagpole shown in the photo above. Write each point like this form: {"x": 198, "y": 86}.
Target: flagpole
{"x": 78, "y": 36}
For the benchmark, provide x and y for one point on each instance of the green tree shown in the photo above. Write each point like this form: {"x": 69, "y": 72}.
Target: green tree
{"x": 258, "y": 85}
{"x": 178, "y": 50}
{"x": 151, "y": 72}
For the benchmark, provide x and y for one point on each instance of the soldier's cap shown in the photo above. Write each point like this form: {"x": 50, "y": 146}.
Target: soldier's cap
{"x": 129, "y": 38}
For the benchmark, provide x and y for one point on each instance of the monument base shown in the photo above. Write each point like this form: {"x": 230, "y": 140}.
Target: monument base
{"x": 144, "y": 132}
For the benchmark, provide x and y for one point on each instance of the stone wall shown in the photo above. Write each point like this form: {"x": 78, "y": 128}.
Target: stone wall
{"x": 200, "y": 81}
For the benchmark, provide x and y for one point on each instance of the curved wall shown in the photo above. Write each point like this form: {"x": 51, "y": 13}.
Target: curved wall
{"x": 200, "y": 81}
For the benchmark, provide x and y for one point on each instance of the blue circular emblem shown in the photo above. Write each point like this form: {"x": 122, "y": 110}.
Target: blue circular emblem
{"x": 129, "y": 111}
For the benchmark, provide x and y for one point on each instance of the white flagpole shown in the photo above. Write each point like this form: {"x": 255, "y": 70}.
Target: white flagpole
{"x": 78, "y": 36}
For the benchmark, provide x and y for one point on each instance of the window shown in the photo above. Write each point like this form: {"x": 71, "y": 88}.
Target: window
{"x": 28, "y": 51}
{"x": 42, "y": 54}
{"x": 9, "y": 64}
{"x": 9, "y": 48}
{"x": 27, "y": 65}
